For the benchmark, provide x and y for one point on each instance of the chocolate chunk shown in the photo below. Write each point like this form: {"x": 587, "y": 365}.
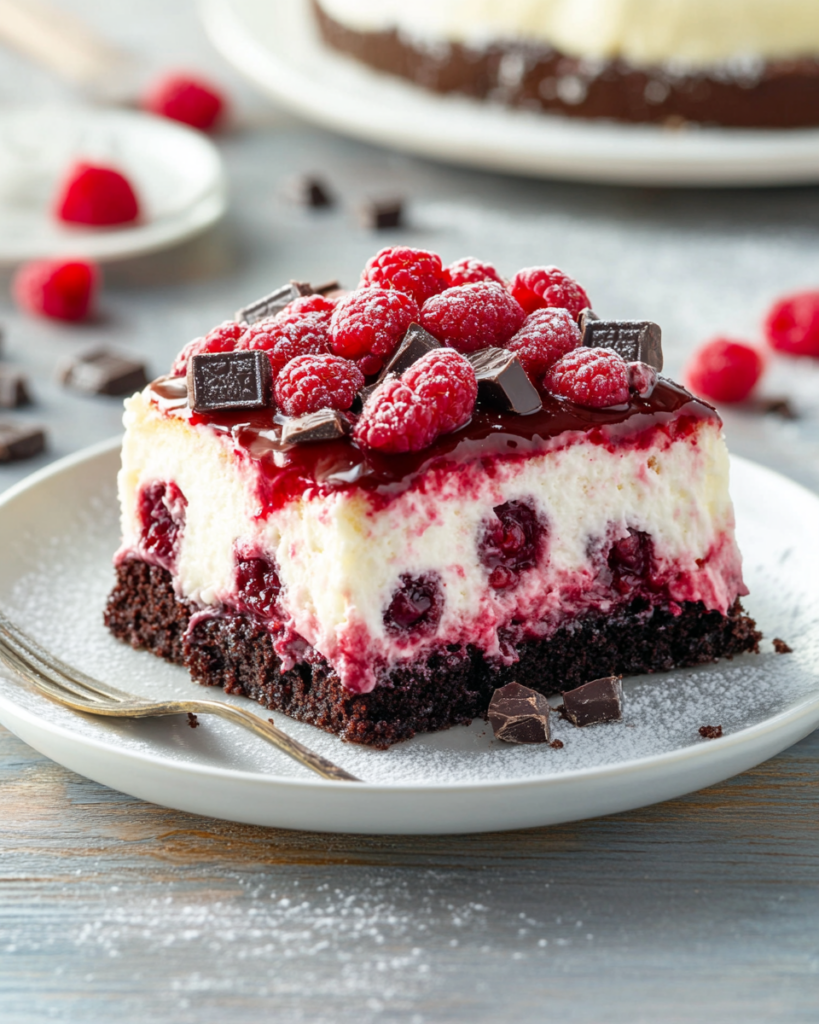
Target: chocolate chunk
{"x": 781, "y": 647}
{"x": 637, "y": 341}
{"x": 519, "y": 715}
{"x": 584, "y": 316}
{"x": 711, "y": 732}
{"x": 378, "y": 214}
{"x": 103, "y": 372}
{"x": 600, "y": 700}
{"x": 307, "y": 190}
{"x": 503, "y": 383}
{"x": 229, "y": 380}
{"x": 193, "y": 721}
{"x": 324, "y": 425}
{"x": 273, "y": 303}
{"x": 20, "y": 442}
{"x": 417, "y": 343}
{"x": 328, "y": 288}
{"x": 13, "y": 389}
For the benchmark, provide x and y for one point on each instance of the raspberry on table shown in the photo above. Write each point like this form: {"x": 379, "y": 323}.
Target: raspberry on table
{"x": 395, "y": 419}
{"x": 546, "y": 336}
{"x": 60, "y": 289}
{"x": 96, "y": 195}
{"x": 471, "y": 271}
{"x": 594, "y": 377}
{"x": 415, "y": 271}
{"x": 724, "y": 370}
{"x": 223, "y": 338}
{"x": 473, "y": 316}
{"x": 537, "y": 287}
{"x": 296, "y": 309}
{"x": 446, "y": 381}
{"x": 309, "y": 383}
{"x": 792, "y": 324}
{"x": 283, "y": 341}
{"x": 368, "y": 324}
{"x": 185, "y": 98}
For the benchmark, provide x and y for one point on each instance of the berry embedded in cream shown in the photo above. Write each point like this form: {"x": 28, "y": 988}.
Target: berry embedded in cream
{"x": 447, "y": 487}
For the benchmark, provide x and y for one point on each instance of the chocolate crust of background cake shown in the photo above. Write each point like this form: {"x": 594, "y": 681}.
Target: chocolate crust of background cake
{"x": 451, "y": 687}
{"x": 777, "y": 94}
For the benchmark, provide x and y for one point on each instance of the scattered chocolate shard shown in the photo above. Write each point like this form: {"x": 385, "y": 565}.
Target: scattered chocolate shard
{"x": 328, "y": 288}
{"x": 308, "y": 190}
{"x": 379, "y": 214}
{"x": 270, "y": 305}
{"x": 777, "y": 407}
{"x": 519, "y": 715}
{"x": 781, "y": 647}
{"x": 710, "y": 732}
{"x": 103, "y": 372}
{"x": 13, "y": 389}
{"x": 600, "y": 700}
{"x": 324, "y": 425}
{"x": 503, "y": 383}
{"x": 416, "y": 344}
{"x": 229, "y": 380}
{"x": 170, "y": 392}
{"x": 584, "y": 316}
{"x": 193, "y": 721}
{"x": 19, "y": 441}
{"x": 637, "y": 341}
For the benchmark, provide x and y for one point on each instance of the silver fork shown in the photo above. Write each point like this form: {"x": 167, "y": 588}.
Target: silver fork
{"x": 73, "y": 688}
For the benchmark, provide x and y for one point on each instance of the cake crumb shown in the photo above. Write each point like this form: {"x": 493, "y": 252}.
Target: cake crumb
{"x": 711, "y": 732}
{"x": 193, "y": 721}
{"x": 556, "y": 744}
{"x": 781, "y": 647}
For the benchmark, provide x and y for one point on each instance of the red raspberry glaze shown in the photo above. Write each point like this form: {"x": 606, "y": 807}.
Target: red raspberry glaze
{"x": 446, "y": 382}
{"x": 536, "y": 287}
{"x": 546, "y": 336}
{"x": 593, "y": 377}
{"x": 396, "y": 419}
{"x": 368, "y": 324}
{"x": 473, "y": 316}
{"x": 792, "y": 324}
{"x": 185, "y": 98}
{"x": 724, "y": 370}
{"x": 95, "y": 195}
{"x": 310, "y": 383}
{"x": 415, "y": 271}
{"x": 223, "y": 338}
{"x": 470, "y": 271}
{"x": 55, "y": 288}
{"x": 283, "y": 341}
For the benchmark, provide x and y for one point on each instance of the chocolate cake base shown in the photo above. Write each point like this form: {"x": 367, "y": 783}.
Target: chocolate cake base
{"x": 780, "y": 94}
{"x": 451, "y": 687}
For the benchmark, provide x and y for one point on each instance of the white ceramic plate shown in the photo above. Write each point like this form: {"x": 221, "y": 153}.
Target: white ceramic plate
{"x": 60, "y": 528}
{"x": 277, "y": 46}
{"x": 176, "y": 172}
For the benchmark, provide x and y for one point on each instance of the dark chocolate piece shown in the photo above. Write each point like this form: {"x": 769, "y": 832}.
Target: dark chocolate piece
{"x": 636, "y": 340}
{"x": 584, "y": 316}
{"x": 711, "y": 732}
{"x": 417, "y": 343}
{"x": 777, "y": 407}
{"x": 19, "y": 441}
{"x": 307, "y": 190}
{"x": 193, "y": 721}
{"x": 170, "y": 392}
{"x": 503, "y": 383}
{"x": 328, "y": 288}
{"x": 229, "y": 380}
{"x": 324, "y": 425}
{"x": 103, "y": 372}
{"x": 781, "y": 647}
{"x": 378, "y": 214}
{"x": 13, "y": 389}
{"x": 270, "y": 305}
{"x": 519, "y": 715}
{"x": 600, "y": 700}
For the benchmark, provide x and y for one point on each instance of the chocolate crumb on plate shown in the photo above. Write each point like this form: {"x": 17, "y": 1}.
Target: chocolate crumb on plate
{"x": 270, "y": 305}
{"x": 710, "y": 732}
{"x": 600, "y": 700}
{"x": 101, "y": 371}
{"x": 193, "y": 721}
{"x": 557, "y": 744}
{"x": 229, "y": 380}
{"x": 780, "y": 407}
{"x": 19, "y": 441}
{"x": 781, "y": 647}
{"x": 13, "y": 389}
{"x": 519, "y": 715}
{"x": 309, "y": 190}
{"x": 324, "y": 425}
{"x": 379, "y": 214}
{"x": 503, "y": 383}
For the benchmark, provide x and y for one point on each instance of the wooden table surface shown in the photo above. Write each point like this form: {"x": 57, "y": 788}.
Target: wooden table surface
{"x": 702, "y": 909}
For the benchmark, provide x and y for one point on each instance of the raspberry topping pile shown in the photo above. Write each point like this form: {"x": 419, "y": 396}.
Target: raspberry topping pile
{"x": 284, "y": 340}
{"x": 594, "y": 377}
{"x": 223, "y": 338}
{"x": 546, "y": 336}
{"x": 99, "y": 196}
{"x": 185, "y": 98}
{"x": 309, "y": 383}
{"x": 473, "y": 316}
{"x": 471, "y": 271}
{"x": 724, "y": 370}
{"x": 792, "y": 324}
{"x": 415, "y": 271}
{"x": 57, "y": 289}
{"x": 368, "y": 324}
{"x": 537, "y": 287}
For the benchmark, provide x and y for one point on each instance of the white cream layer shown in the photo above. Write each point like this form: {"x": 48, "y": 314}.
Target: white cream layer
{"x": 695, "y": 33}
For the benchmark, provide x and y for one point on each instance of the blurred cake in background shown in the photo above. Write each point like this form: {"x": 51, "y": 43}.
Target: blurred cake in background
{"x": 740, "y": 63}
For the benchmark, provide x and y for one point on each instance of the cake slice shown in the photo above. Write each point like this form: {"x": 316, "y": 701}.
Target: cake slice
{"x": 371, "y": 510}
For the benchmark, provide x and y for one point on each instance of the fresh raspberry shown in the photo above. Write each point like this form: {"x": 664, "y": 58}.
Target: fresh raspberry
{"x": 536, "y": 287}
{"x": 470, "y": 271}
{"x": 223, "y": 338}
{"x": 415, "y": 271}
{"x": 594, "y": 377}
{"x": 368, "y": 324}
{"x": 96, "y": 195}
{"x": 724, "y": 370}
{"x": 444, "y": 380}
{"x": 546, "y": 336}
{"x": 296, "y": 309}
{"x": 306, "y": 336}
{"x": 185, "y": 98}
{"x": 473, "y": 316}
{"x": 792, "y": 324}
{"x": 310, "y": 383}
{"x": 395, "y": 419}
{"x": 55, "y": 288}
